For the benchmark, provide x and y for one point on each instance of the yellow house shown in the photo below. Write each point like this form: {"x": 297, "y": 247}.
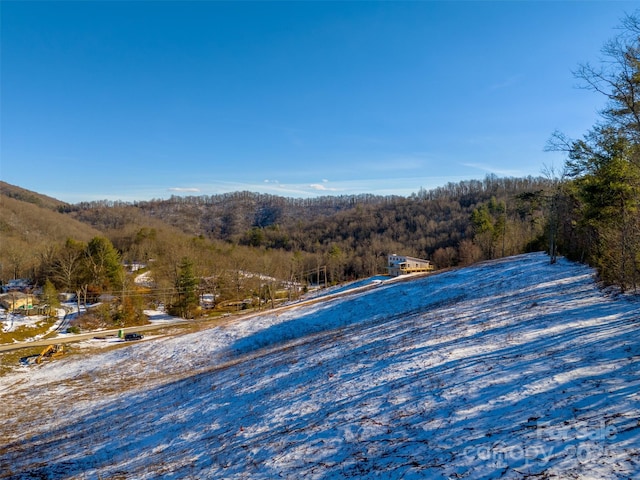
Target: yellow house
{"x": 16, "y": 300}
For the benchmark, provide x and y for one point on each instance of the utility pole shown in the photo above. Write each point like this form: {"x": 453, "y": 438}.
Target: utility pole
{"x": 504, "y": 227}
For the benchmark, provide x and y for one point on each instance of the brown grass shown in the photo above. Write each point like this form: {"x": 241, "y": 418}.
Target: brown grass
{"x": 24, "y": 333}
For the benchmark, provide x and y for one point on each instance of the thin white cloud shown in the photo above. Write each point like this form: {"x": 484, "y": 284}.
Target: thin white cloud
{"x": 184, "y": 189}
{"x": 376, "y": 186}
{"x": 322, "y": 187}
{"x": 508, "y": 82}
{"x": 396, "y": 163}
{"x": 403, "y": 186}
{"x": 490, "y": 169}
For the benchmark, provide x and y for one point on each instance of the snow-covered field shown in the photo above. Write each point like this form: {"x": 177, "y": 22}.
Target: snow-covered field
{"x": 508, "y": 369}
{"x": 10, "y": 322}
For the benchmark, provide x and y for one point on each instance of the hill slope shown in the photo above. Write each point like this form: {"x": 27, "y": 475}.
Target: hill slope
{"x": 30, "y": 223}
{"x": 28, "y": 196}
{"x": 503, "y": 370}
{"x": 29, "y": 226}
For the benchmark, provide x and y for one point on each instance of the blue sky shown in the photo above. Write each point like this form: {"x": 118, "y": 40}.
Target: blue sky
{"x": 138, "y": 100}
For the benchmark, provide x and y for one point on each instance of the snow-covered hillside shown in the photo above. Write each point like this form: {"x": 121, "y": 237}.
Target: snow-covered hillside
{"x": 508, "y": 369}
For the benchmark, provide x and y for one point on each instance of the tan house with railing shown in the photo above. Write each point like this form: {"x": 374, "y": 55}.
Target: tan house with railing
{"x": 402, "y": 265}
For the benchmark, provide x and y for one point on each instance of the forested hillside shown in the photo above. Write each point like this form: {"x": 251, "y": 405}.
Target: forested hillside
{"x": 456, "y": 223}
{"x": 12, "y": 191}
{"x": 252, "y": 246}
{"x": 29, "y": 227}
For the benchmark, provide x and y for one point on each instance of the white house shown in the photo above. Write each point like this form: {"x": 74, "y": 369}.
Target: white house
{"x": 401, "y": 265}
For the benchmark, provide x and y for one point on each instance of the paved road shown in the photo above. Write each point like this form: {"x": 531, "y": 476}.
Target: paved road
{"x": 85, "y": 336}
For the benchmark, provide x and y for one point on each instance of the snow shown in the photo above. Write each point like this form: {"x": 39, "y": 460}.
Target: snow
{"x": 160, "y": 316}
{"x": 144, "y": 280}
{"x": 10, "y": 322}
{"x": 506, "y": 369}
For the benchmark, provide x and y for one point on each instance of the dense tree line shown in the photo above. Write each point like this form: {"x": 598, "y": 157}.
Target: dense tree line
{"x": 598, "y": 195}
{"x": 253, "y": 247}
{"x": 93, "y": 271}
{"x": 350, "y": 235}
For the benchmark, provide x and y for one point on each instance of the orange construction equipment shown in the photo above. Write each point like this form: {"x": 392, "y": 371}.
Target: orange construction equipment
{"x": 51, "y": 351}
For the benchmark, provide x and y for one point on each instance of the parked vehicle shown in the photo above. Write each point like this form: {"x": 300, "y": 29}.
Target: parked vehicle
{"x": 129, "y": 337}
